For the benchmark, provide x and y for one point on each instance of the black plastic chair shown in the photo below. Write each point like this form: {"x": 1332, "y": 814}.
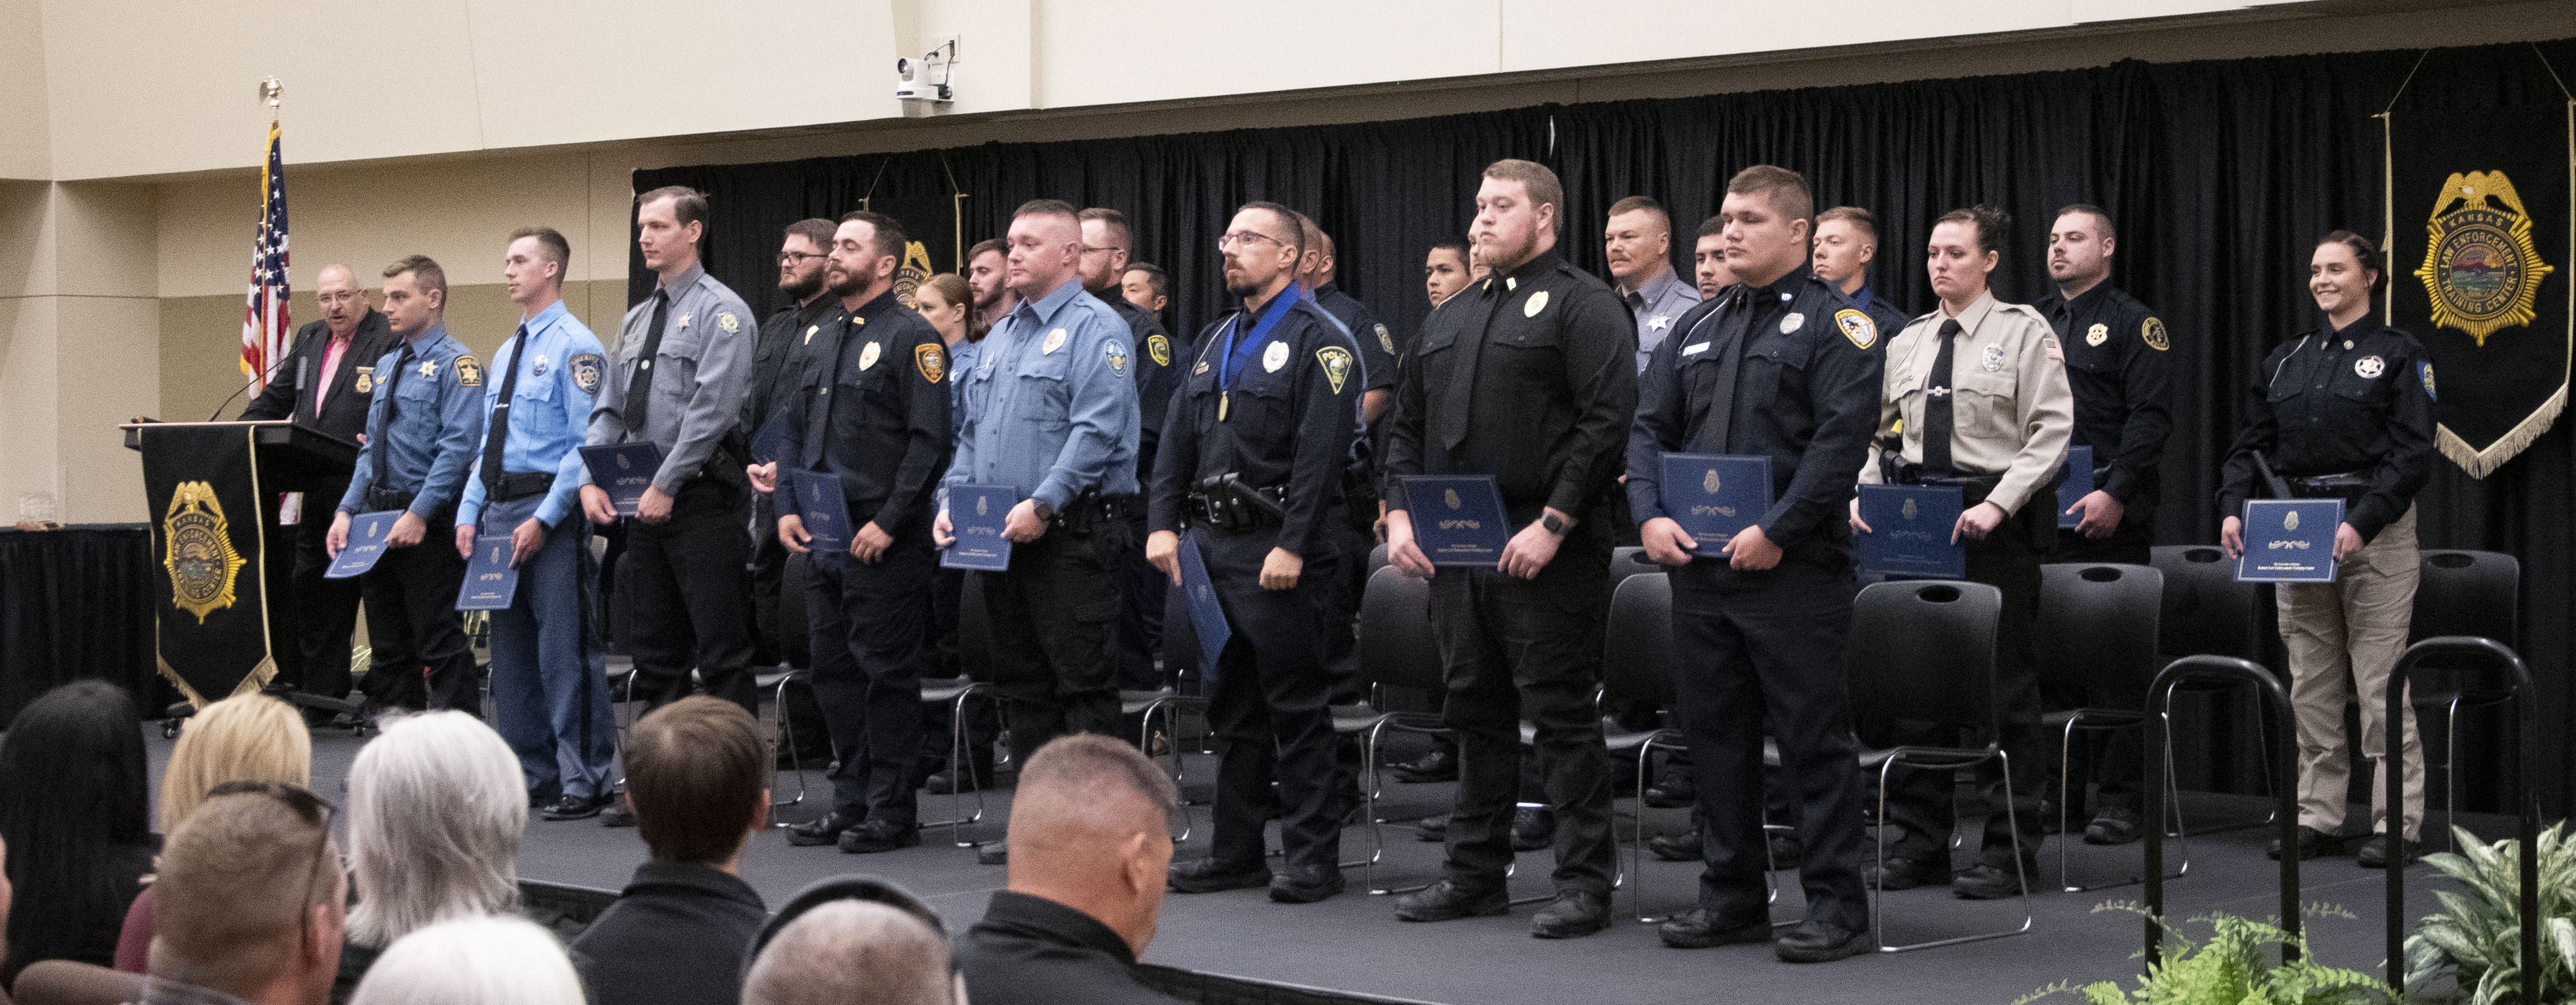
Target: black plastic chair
{"x": 2470, "y": 593}
{"x": 2097, "y": 631}
{"x": 1638, "y": 670}
{"x": 1924, "y": 651}
{"x": 2206, "y": 612}
{"x": 1396, "y": 649}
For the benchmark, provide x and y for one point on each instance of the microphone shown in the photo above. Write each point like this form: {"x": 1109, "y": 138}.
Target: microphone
{"x": 245, "y": 388}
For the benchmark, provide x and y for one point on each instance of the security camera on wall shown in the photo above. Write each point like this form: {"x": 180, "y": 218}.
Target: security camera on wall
{"x": 927, "y": 78}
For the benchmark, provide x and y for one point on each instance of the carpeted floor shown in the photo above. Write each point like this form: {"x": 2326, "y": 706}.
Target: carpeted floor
{"x": 1354, "y": 942}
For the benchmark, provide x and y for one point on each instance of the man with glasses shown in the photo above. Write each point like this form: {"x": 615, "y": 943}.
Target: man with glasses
{"x": 784, "y": 339}
{"x": 247, "y": 903}
{"x": 1106, "y": 244}
{"x": 324, "y": 382}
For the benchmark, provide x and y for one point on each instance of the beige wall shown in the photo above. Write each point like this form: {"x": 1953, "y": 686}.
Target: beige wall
{"x": 81, "y": 325}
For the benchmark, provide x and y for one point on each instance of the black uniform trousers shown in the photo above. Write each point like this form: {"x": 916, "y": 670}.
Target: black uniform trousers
{"x": 2114, "y": 761}
{"x": 421, "y": 657}
{"x": 1762, "y": 652}
{"x": 1919, "y": 801}
{"x": 1341, "y": 607}
{"x": 1271, "y": 709}
{"x": 1053, "y": 619}
{"x": 326, "y": 610}
{"x": 1140, "y": 613}
{"x": 1515, "y": 649}
{"x": 768, "y": 577}
{"x": 869, "y": 626}
{"x": 688, "y": 599}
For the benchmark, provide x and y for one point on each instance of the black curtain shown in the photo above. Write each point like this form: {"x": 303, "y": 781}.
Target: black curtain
{"x": 77, "y": 603}
{"x": 2220, "y": 175}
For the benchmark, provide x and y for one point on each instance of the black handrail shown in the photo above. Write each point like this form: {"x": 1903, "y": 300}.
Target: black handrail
{"x": 2277, "y": 705}
{"x": 2526, "y": 728}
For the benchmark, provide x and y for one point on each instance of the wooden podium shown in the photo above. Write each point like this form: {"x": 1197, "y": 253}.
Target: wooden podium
{"x": 209, "y": 490}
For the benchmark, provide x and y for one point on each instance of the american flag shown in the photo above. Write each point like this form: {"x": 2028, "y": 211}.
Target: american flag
{"x": 264, "y": 324}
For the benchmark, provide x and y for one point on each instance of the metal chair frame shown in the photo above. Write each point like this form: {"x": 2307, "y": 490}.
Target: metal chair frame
{"x": 2100, "y": 720}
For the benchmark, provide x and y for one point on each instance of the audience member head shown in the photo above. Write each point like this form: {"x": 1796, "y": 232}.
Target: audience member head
{"x": 1638, "y": 240}
{"x": 1766, "y": 212}
{"x": 1517, "y": 206}
{"x": 2341, "y": 274}
{"x": 1046, "y": 247}
{"x": 1846, "y": 242}
{"x": 249, "y": 894}
{"x": 72, "y": 787}
{"x": 1106, "y": 245}
{"x": 415, "y": 295}
{"x": 472, "y": 961}
{"x": 1708, "y": 258}
{"x": 1090, "y": 830}
{"x": 948, "y": 305}
{"x": 1146, "y": 286}
{"x": 436, "y": 805}
{"x": 2080, "y": 244}
{"x": 697, "y": 777}
{"x": 801, "y": 255}
{"x": 344, "y": 302}
{"x": 852, "y": 939}
{"x": 668, "y": 223}
{"x": 533, "y": 266}
{"x": 247, "y": 737}
{"x": 1444, "y": 269}
{"x": 1966, "y": 245}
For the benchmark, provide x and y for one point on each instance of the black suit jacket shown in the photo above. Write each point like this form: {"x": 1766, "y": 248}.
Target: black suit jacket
{"x": 344, "y": 410}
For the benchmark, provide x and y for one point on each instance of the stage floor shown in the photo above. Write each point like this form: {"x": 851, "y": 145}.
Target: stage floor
{"x": 1354, "y": 942}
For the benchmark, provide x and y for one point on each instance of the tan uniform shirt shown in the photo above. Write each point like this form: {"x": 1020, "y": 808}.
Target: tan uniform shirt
{"x": 2013, "y": 413}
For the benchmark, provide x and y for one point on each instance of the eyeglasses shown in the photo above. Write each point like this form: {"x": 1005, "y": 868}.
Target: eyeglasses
{"x": 791, "y": 259}
{"x": 1227, "y": 242}
{"x": 314, "y": 809}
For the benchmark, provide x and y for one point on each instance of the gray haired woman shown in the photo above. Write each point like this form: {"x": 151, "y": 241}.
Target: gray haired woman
{"x": 436, "y": 806}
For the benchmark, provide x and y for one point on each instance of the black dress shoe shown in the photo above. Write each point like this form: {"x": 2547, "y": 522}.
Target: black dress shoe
{"x": 1700, "y": 928}
{"x": 1207, "y": 875}
{"x": 1672, "y": 793}
{"x": 1679, "y": 846}
{"x": 1533, "y": 828}
{"x": 992, "y": 853}
{"x": 1575, "y": 913}
{"x": 618, "y": 814}
{"x": 578, "y": 807}
{"x": 1986, "y": 881}
{"x": 2374, "y": 852}
{"x": 1440, "y": 765}
{"x": 821, "y": 831}
{"x": 2313, "y": 843}
{"x": 948, "y": 783}
{"x": 1906, "y": 874}
{"x": 2050, "y": 820}
{"x": 1446, "y": 899}
{"x": 1306, "y": 884}
{"x": 1432, "y": 828}
{"x": 874, "y": 835}
{"x": 1784, "y": 850}
{"x": 1819, "y": 942}
{"x": 2115, "y": 824}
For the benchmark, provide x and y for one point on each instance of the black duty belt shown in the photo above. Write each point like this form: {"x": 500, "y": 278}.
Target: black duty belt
{"x": 1224, "y": 502}
{"x": 1092, "y": 506}
{"x": 1973, "y": 489}
{"x": 517, "y": 485}
{"x": 379, "y": 500}
{"x": 2347, "y": 486}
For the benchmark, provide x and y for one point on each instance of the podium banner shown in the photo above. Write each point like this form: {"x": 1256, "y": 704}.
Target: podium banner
{"x": 209, "y": 596}
{"x": 2480, "y": 243}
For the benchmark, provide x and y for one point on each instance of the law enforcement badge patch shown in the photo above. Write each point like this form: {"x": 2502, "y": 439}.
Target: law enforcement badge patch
{"x": 1385, "y": 341}
{"x": 2097, "y": 334}
{"x": 1994, "y": 359}
{"x": 586, "y": 369}
{"x": 199, "y": 551}
{"x": 1710, "y": 483}
{"x": 2427, "y": 367}
{"x": 366, "y": 379}
{"x": 1159, "y": 348}
{"x": 469, "y": 371}
{"x": 1054, "y": 341}
{"x": 2152, "y": 332}
{"x": 2482, "y": 269}
{"x": 1537, "y": 302}
{"x": 2369, "y": 367}
{"x": 1117, "y": 356}
{"x": 1857, "y": 327}
{"x": 932, "y": 361}
{"x": 868, "y": 356}
{"x": 1337, "y": 364}
{"x": 1789, "y": 325}
{"x": 727, "y": 322}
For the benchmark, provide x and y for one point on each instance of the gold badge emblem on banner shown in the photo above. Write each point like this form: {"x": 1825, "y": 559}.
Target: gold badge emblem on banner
{"x": 2481, "y": 270}
{"x": 915, "y": 271}
{"x": 199, "y": 555}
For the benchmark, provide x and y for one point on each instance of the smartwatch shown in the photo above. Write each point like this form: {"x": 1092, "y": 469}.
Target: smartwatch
{"x": 1553, "y": 525}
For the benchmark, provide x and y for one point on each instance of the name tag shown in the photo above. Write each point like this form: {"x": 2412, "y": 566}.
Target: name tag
{"x": 1694, "y": 350}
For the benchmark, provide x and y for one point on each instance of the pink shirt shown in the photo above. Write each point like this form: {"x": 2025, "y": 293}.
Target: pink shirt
{"x": 331, "y": 365}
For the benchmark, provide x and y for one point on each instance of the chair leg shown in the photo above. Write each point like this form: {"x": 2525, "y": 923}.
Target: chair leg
{"x": 959, "y": 762}
{"x": 2450, "y": 775}
{"x": 795, "y": 762}
{"x": 2065, "y": 779}
{"x": 1377, "y": 837}
{"x": 2011, "y": 819}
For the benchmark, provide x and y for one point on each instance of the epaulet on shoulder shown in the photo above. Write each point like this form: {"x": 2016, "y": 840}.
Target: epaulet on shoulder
{"x": 2024, "y": 310}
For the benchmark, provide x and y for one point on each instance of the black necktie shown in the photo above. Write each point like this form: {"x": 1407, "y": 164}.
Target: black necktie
{"x": 1937, "y": 415}
{"x": 376, "y": 445}
{"x": 500, "y": 424}
{"x": 1734, "y": 327}
{"x": 638, "y": 402}
{"x": 1460, "y": 392}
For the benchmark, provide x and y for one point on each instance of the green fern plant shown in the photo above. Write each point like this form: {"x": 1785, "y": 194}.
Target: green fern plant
{"x": 2477, "y": 939}
{"x": 2233, "y": 967}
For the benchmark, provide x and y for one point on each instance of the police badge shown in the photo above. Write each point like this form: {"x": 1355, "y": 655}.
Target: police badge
{"x": 1910, "y": 510}
{"x": 200, "y": 556}
{"x": 2290, "y": 520}
{"x": 366, "y": 380}
{"x": 1451, "y": 497}
{"x": 2097, "y": 334}
{"x": 868, "y": 356}
{"x": 2482, "y": 269}
{"x": 1710, "y": 482}
{"x": 1337, "y": 364}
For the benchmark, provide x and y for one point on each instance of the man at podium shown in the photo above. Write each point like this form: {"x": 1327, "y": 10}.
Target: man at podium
{"x": 324, "y": 383}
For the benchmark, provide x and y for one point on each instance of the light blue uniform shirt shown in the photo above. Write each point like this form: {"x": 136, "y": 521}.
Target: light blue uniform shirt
{"x": 429, "y": 440}
{"x": 1050, "y": 405}
{"x": 560, "y": 369}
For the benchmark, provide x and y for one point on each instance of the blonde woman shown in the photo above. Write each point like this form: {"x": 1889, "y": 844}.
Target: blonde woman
{"x": 246, "y": 738}
{"x": 436, "y": 806}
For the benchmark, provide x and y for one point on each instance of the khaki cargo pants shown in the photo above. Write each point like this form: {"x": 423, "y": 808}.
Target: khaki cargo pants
{"x": 2344, "y": 638}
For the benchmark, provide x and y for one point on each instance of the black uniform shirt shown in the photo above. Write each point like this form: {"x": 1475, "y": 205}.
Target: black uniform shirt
{"x": 680, "y": 934}
{"x": 2331, "y": 402}
{"x": 1287, "y": 421}
{"x": 1155, "y": 376}
{"x": 1371, "y": 336}
{"x": 873, "y": 409}
{"x": 1549, "y": 399}
{"x": 2119, "y": 366}
{"x": 1033, "y": 951}
{"x": 344, "y": 410}
{"x": 776, "y": 368}
{"x": 1806, "y": 393}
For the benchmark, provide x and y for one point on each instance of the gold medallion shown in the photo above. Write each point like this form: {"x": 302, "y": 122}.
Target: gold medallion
{"x": 1223, "y": 398}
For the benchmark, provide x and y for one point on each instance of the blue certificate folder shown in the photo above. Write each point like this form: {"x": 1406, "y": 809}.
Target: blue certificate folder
{"x": 2289, "y": 540}
{"x": 1715, "y": 496}
{"x": 623, "y": 471}
{"x": 1207, "y": 617}
{"x": 2078, "y": 483}
{"x": 822, "y": 507}
{"x": 366, "y": 544}
{"x": 976, "y": 514}
{"x": 1910, "y": 528}
{"x": 1457, "y": 520}
{"x": 490, "y": 581}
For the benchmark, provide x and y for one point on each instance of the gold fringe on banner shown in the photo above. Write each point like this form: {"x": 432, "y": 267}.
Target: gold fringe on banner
{"x": 2481, "y": 463}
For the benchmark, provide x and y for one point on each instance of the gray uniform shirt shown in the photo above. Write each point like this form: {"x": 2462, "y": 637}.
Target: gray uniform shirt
{"x": 1658, "y": 305}
{"x": 704, "y": 365}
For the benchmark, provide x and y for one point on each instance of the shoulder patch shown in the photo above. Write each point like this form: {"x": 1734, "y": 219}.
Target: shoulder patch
{"x": 1115, "y": 352}
{"x": 931, "y": 359}
{"x": 1160, "y": 348}
{"x": 586, "y": 369}
{"x": 728, "y": 322}
{"x": 1385, "y": 341}
{"x": 1857, "y": 327}
{"x": 469, "y": 371}
{"x": 1337, "y": 365}
{"x": 2427, "y": 367}
{"x": 2152, "y": 332}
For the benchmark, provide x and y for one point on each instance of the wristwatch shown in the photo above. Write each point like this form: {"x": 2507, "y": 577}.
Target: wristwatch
{"x": 1553, "y": 525}
{"x": 1044, "y": 510}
